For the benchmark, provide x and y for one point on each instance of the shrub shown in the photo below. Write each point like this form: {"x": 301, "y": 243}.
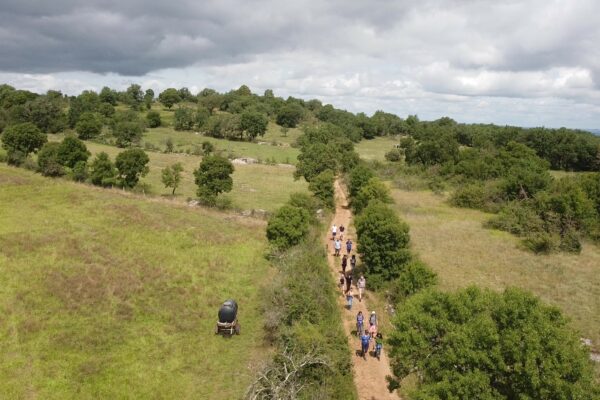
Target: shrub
{"x": 394, "y": 155}
{"x": 287, "y": 227}
{"x": 207, "y": 147}
{"x": 540, "y": 242}
{"x": 382, "y": 243}
{"x": 469, "y": 196}
{"x": 132, "y": 165}
{"x": 103, "y": 171}
{"x": 322, "y": 188}
{"x": 20, "y": 140}
{"x": 415, "y": 277}
{"x": 127, "y": 133}
{"x": 213, "y": 177}
{"x": 517, "y": 218}
{"x": 48, "y": 163}
{"x": 359, "y": 176}
{"x": 71, "y": 151}
{"x": 289, "y": 115}
{"x": 89, "y": 125}
{"x": 79, "y": 172}
{"x": 153, "y": 118}
{"x": 479, "y": 344}
{"x": 375, "y": 189}
{"x": 184, "y": 119}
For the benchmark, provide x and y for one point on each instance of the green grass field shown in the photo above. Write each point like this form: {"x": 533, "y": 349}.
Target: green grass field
{"x": 375, "y": 149}
{"x": 107, "y": 295}
{"x": 187, "y": 140}
{"x": 255, "y": 186}
{"x": 455, "y": 244}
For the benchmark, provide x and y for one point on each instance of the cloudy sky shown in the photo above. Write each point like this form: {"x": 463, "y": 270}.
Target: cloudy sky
{"x": 526, "y": 62}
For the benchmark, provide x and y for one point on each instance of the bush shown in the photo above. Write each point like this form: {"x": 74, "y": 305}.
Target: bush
{"x": 287, "y": 227}
{"x": 383, "y": 241}
{"x": 184, "y": 119}
{"x": 71, "y": 151}
{"x": 132, "y": 165}
{"x": 213, "y": 177}
{"x": 541, "y": 242}
{"x": 375, "y": 189}
{"x": 470, "y": 196}
{"x": 20, "y": 140}
{"x": 322, "y": 188}
{"x": 517, "y": 218}
{"x": 88, "y": 126}
{"x": 415, "y": 277}
{"x": 289, "y": 115}
{"x": 359, "y": 176}
{"x": 394, "y": 155}
{"x": 127, "y": 133}
{"x": 48, "y": 163}
{"x": 479, "y": 344}
{"x": 79, "y": 172}
{"x": 102, "y": 171}
{"x": 153, "y": 119}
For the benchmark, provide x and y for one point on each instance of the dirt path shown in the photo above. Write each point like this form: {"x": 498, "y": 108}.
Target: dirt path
{"x": 369, "y": 374}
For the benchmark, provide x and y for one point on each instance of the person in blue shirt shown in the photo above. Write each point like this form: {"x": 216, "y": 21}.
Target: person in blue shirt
{"x": 349, "y": 246}
{"x": 364, "y": 342}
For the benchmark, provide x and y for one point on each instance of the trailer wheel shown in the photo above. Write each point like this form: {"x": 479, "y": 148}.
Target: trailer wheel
{"x": 237, "y": 328}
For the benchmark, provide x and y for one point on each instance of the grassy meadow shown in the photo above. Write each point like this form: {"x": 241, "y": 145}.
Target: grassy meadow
{"x": 107, "y": 295}
{"x": 255, "y": 186}
{"x": 454, "y": 243}
{"x": 375, "y": 149}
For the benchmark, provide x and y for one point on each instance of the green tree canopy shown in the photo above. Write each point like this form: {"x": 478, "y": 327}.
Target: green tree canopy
{"x": 71, "y": 151}
{"x": 22, "y": 139}
{"x": 383, "y": 241}
{"x": 323, "y": 189}
{"x": 89, "y": 125}
{"x": 287, "y": 227}
{"x": 171, "y": 176}
{"x": 289, "y": 115}
{"x": 132, "y": 165}
{"x": 253, "y": 124}
{"x": 103, "y": 171}
{"x": 479, "y": 344}
{"x": 213, "y": 177}
{"x": 48, "y": 163}
{"x": 169, "y": 97}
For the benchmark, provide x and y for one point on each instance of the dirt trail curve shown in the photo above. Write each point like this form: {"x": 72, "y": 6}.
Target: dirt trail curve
{"x": 369, "y": 375}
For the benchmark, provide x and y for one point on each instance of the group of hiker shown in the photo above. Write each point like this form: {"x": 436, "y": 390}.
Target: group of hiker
{"x": 345, "y": 283}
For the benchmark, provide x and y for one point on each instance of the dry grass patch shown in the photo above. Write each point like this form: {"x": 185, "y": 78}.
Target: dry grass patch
{"x": 455, "y": 244}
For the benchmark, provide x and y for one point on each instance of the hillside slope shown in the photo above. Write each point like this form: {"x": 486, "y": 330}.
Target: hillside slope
{"x": 106, "y": 295}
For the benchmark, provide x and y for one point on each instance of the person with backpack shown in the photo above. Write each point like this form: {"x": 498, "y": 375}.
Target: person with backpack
{"x": 342, "y": 229}
{"x": 342, "y": 283}
{"x": 362, "y": 284}
{"x": 344, "y": 263}
{"x": 348, "y": 246}
{"x": 365, "y": 339}
{"x": 353, "y": 261}
{"x": 333, "y": 232}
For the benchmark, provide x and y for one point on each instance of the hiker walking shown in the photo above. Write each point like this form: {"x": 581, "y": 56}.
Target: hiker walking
{"x": 349, "y": 297}
{"x": 342, "y": 283}
{"x": 353, "y": 261}
{"x": 344, "y": 263}
{"x": 348, "y": 246}
{"x": 360, "y": 323}
{"x": 364, "y": 344}
{"x": 337, "y": 246}
{"x": 362, "y": 284}
{"x": 333, "y": 232}
{"x": 373, "y": 318}
{"x": 348, "y": 281}
{"x": 342, "y": 229}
